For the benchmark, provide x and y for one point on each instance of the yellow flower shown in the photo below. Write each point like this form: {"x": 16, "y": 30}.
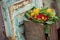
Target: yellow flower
{"x": 49, "y": 10}
{"x": 32, "y": 14}
{"x": 36, "y": 11}
{"x": 52, "y": 14}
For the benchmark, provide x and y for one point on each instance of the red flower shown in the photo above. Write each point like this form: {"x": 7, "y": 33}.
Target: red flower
{"x": 46, "y": 18}
{"x": 42, "y": 17}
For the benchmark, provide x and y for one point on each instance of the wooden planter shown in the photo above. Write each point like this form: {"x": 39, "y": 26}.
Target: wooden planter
{"x": 53, "y": 33}
{"x": 35, "y": 31}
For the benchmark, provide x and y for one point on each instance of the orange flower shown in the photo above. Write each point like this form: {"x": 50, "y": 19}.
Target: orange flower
{"x": 42, "y": 17}
{"x": 32, "y": 14}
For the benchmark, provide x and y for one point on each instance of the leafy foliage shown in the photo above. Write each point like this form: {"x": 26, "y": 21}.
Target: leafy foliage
{"x": 34, "y": 12}
{"x": 46, "y": 16}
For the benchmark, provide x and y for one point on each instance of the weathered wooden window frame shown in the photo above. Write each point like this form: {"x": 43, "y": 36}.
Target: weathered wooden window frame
{"x": 10, "y": 7}
{"x": 14, "y": 7}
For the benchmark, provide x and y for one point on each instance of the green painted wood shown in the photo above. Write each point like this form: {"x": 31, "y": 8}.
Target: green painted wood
{"x": 18, "y": 21}
{"x": 7, "y": 21}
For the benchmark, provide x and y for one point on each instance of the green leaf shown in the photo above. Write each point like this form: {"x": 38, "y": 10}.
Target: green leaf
{"x": 56, "y": 17}
{"x": 39, "y": 21}
{"x": 47, "y": 29}
{"x": 33, "y": 8}
{"x": 27, "y": 15}
{"x": 25, "y": 19}
{"x": 43, "y": 9}
{"x": 49, "y": 22}
{"x": 28, "y": 12}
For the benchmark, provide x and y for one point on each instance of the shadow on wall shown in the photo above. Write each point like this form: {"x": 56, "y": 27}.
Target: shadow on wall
{"x": 58, "y": 34}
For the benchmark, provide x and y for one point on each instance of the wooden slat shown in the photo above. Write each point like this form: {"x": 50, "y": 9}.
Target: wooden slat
{"x": 34, "y": 31}
{"x": 53, "y": 35}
